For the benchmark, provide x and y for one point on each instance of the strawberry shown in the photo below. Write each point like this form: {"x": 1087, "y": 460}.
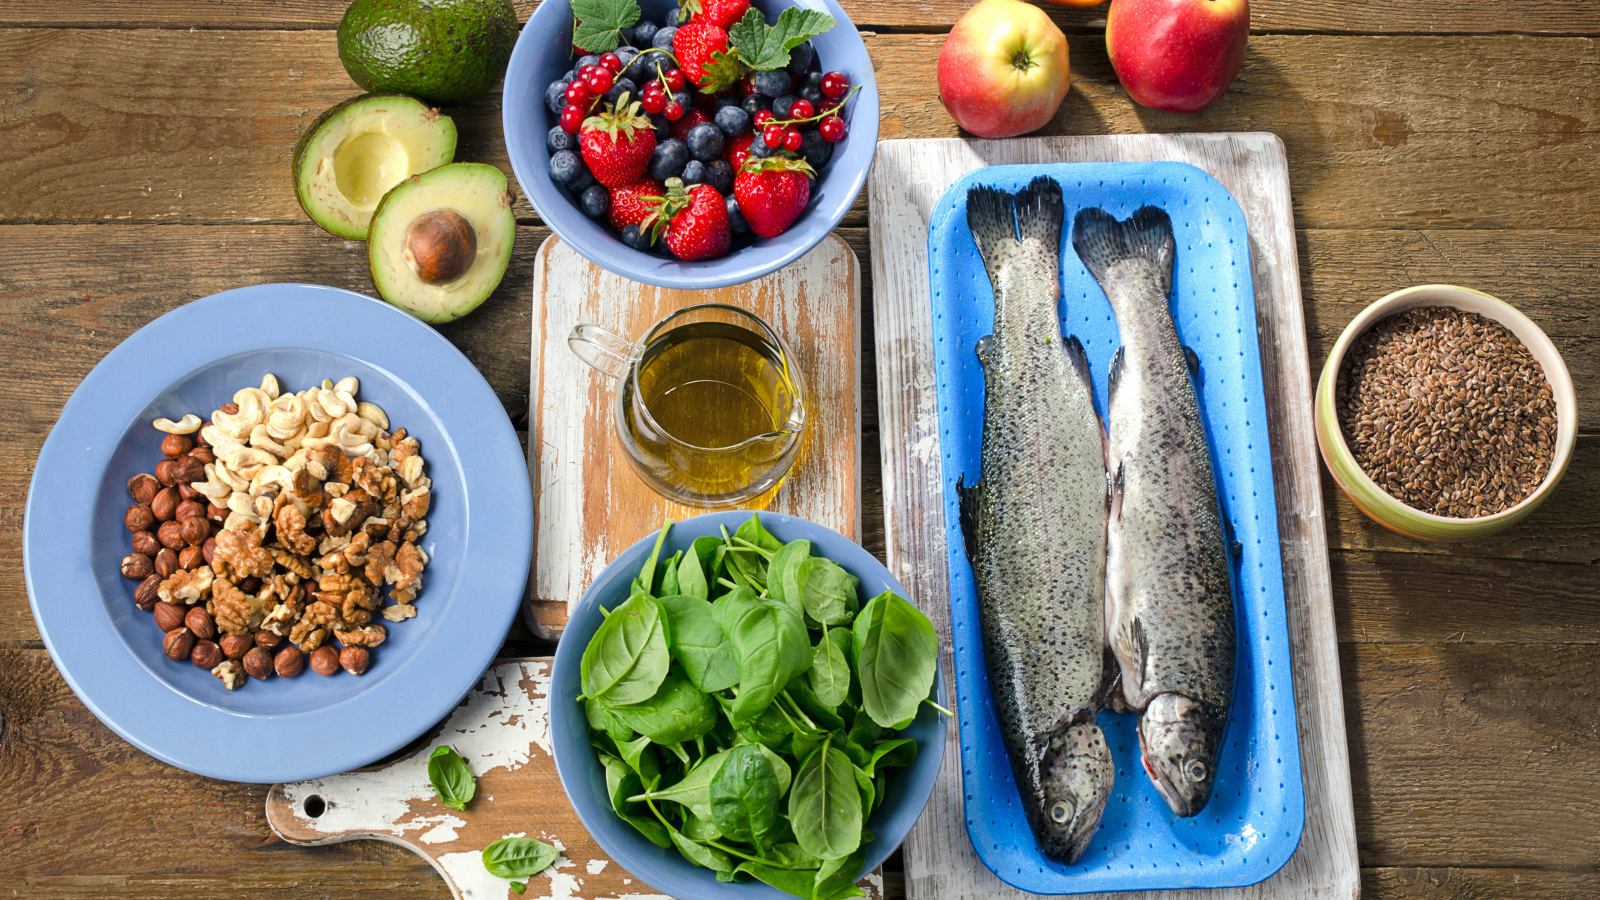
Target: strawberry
{"x": 630, "y": 205}
{"x": 680, "y": 128}
{"x": 693, "y": 222}
{"x": 772, "y": 193}
{"x": 737, "y": 150}
{"x": 702, "y": 52}
{"x": 617, "y": 144}
{"x": 721, "y": 13}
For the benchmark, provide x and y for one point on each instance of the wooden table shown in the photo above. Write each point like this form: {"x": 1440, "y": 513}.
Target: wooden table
{"x": 144, "y": 162}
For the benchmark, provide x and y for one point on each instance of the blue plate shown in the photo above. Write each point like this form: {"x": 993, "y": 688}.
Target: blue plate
{"x": 480, "y": 532}
{"x": 584, "y": 778}
{"x": 1252, "y": 825}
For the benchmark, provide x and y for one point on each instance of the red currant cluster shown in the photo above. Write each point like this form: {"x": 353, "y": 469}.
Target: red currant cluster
{"x": 585, "y": 90}
{"x": 656, "y": 97}
{"x": 786, "y": 133}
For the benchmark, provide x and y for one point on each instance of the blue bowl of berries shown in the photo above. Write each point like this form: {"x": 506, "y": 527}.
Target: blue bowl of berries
{"x": 643, "y": 140}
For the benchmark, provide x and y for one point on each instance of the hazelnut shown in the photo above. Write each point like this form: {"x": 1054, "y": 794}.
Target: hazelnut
{"x": 187, "y": 470}
{"x": 258, "y": 664}
{"x": 176, "y": 445}
{"x": 144, "y": 596}
{"x": 236, "y": 645}
{"x": 170, "y": 536}
{"x": 146, "y": 543}
{"x": 208, "y": 549}
{"x": 355, "y": 659}
{"x": 137, "y": 566}
{"x": 267, "y": 639}
{"x": 188, "y": 492}
{"x": 200, "y": 436}
{"x": 164, "y": 473}
{"x": 168, "y": 615}
{"x": 203, "y": 454}
{"x": 191, "y": 558}
{"x": 165, "y": 506}
{"x": 166, "y": 563}
{"x": 177, "y": 644}
{"x": 217, "y": 514}
{"x": 194, "y": 530}
{"x": 139, "y": 518}
{"x": 250, "y": 584}
{"x": 143, "y": 488}
{"x": 230, "y": 408}
{"x": 325, "y": 660}
{"x": 440, "y": 246}
{"x": 199, "y": 621}
{"x": 189, "y": 509}
{"x": 206, "y": 655}
{"x": 288, "y": 662}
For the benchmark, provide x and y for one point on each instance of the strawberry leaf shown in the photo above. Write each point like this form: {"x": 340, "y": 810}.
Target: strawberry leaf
{"x": 722, "y": 71}
{"x": 764, "y": 46}
{"x": 600, "y": 23}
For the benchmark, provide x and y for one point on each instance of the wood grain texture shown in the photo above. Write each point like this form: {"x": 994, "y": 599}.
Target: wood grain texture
{"x": 1477, "y": 884}
{"x": 589, "y": 505}
{"x": 908, "y": 180}
{"x": 174, "y": 131}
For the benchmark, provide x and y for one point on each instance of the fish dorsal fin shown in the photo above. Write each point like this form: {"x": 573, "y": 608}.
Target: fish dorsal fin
{"x": 1116, "y": 373}
{"x": 1102, "y": 242}
{"x": 967, "y": 503}
{"x": 1115, "y": 486}
{"x": 1192, "y": 360}
{"x": 1079, "y": 360}
{"x": 1040, "y": 211}
{"x": 993, "y": 226}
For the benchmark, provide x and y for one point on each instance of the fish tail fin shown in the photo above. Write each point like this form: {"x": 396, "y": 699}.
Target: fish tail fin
{"x": 1040, "y": 212}
{"x": 1079, "y": 360}
{"x": 1102, "y": 241}
{"x": 967, "y": 498}
{"x": 992, "y": 220}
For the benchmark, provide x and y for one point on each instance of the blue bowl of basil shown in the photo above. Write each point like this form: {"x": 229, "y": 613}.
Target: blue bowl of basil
{"x": 630, "y": 832}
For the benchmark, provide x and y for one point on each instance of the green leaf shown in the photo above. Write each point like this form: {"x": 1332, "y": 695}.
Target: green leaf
{"x": 764, "y": 46}
{"x": 693, "y": 791}
{"x": 623, "y": 783}
{"x": 698, "y": 643}
{"x": 897, "y": 653}
{"x": 700, "y": 830}
{"x": 600, "y": 23}
{"x": 451, "y": 778}
{"x": 678, "y": 712}
{"x": 701, "y": 855}
{"x": 827, "y": 591}
{"x": 647, "y": 572}
{"x": 886, "y": 754}
{"x": 830, "y": 672}
{"x": 744, "y": 796}
{"x": 769, "y": 642}
{"x": 601, "y": 719}
{"x": 627, "y": 659}
{"x": 669, "y": 575}
{"x": 825, "y": 717}
{"x": 781, "y": 571}
{"x": 692, "y": 577}
{"x": 520, "y": 887}
{"x": 518, "y": 857}
{"x": 825, "y": 804}
{"x": 864, "y": 784}
{"x": 641, "y": 759}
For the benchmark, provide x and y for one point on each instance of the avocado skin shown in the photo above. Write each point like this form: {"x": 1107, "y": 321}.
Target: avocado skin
{"x": 446, "y": 52}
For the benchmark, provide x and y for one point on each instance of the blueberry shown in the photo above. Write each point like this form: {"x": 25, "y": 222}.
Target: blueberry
{"x": 733, "y": 120}
{"x": 812, "y": 79}
{"x": 724, "y": 101}
{"x": 813, "y": 95}
{"x": 620, "y": 86}
{"x": 694, "y": 172}
{"x": 633, "y": 237}
{"x": 736, "y": 220}
{"x": 672, "y": 18}
{"x": 705, "y": 141}
{"x": 668, "y": 159}
{"x": 642, "y": 68}
{"x": 815, "y": 150}
{"x": 719, "y": 174}
{"x": 626, "y": 54}
{"x": 782, "y": 106}
{"x": 595, "y": 201}
{"x": 555, "y": 97}
{"x": 663, "y": 127}
{"x": 644, "y": 33}
{"x": 558, "y": 140}
{"x": 564, "y": 166}
{"x": 685, "y": 100}
{"x": 759, "y": 148}
{"x": 756, "y": 103}
{"x": 771, "y": 82}
{"x": 581, "y": 180}
{"x": 800, "y": 58}
{"x": 590, "y": 60}
{"x": 663, "y": 39}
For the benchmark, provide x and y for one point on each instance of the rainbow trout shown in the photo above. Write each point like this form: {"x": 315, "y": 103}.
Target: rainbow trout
{"x": 1169, "y": 600}
{"x": 1035, "y": 525}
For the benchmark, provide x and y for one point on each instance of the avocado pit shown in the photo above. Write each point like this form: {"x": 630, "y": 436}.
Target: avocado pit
{"x": 440, "y": 245}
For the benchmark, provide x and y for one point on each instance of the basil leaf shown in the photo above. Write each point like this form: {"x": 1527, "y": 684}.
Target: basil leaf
{"x": 701, "y": 855}
{"x": 827, "y": 592}
{"x": 700, "y": 830}
{"x": 826, "y": 717}
{"x": 601, "y": 719}
{"x": 896, "y": 653}
{"x": 692, "y": 577}
{"x": 769, "y": 642}
{"x": 520, "y": 887}
{"x": 744, "y": 796}
{"x": 825, "y": 804}
{"x": 885, "y": 754}
{"x": 627, "y": 659}
{"x": 647, "y": 572}
{"x": 693, "y": 791}
{"x": 451, "y": 778}
{"x": 780, "y": 768}
{"x": 623, "y": 783}
{"x": 518, "y": 857}
{"x": 678, "y": 712}
{"x": 864, "y": 784}
{"x": 781, "y": 571}
{"x": 698, "y": 643}
{"x": 641, "y": 759}
{"x": 830, "y": 672}
{"x": 669, "y": 575}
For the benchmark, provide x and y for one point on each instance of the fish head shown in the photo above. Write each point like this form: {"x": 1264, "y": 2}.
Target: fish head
{"x": 1179, "y": 738}
{"x": 1076, "y": 773}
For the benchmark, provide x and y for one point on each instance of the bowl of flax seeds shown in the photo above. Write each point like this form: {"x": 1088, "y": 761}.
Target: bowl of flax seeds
{"x": 1445, "y": 414}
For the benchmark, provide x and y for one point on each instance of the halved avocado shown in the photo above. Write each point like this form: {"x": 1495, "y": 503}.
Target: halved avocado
{"x": 355, "y": 152}
{"x": 440, "y": 241}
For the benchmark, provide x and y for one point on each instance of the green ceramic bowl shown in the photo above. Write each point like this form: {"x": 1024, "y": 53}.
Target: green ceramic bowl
{"x": 1371, "y": 499}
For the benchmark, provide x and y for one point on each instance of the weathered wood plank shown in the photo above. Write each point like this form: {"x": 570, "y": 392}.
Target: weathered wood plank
{"x": 1477, "y": 884}
{"x": 199, "y": 126}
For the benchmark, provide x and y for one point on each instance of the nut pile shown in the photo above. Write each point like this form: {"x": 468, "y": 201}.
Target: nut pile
{"x": 1448, "y": 412}
{"x": 274, "y": 527}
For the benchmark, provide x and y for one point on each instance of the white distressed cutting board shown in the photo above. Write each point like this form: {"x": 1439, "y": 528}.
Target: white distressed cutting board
{"x": 588, "y": 504}
{"x": 908, "y": 178}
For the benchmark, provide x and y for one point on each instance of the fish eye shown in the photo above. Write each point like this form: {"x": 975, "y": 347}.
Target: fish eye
{"x": 1195, "y": 770}
{"x": 1061, "y": 811}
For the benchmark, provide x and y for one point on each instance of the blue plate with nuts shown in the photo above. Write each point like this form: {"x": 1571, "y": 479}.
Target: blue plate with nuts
{"x": 169, "y": 693}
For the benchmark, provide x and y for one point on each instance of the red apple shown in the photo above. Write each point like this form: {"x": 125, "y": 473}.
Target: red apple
{"x": 1003, "y": 69}
{"x": 1177, "y": 55}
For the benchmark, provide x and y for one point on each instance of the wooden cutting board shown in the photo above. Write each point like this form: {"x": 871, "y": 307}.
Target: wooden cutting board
{"x": 908, "y": 177}
{"x": 588, "y": 504}
{"x": 502, "y": 730}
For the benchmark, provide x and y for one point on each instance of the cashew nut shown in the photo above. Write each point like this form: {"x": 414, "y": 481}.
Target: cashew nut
{"x": 246, "y": 460}
{"x": 348, "y": 384}
{"x": 269, "y": 475}
{"x": 227, "y": 476}
{"x": 189, "y": 424}
{"x": 240, "y": 502}
{"x": 269, "y": 386}
{"x": 261, "y": 439}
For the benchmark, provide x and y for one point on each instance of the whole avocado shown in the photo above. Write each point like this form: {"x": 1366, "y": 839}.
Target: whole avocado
{"x": 446, "y": 52}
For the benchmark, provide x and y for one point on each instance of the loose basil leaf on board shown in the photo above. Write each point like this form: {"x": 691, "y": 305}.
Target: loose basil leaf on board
{"x": 518, "y": 857}
{"x": 781, "y": 573}
{"x": 830, "y": 673}
{"x": 827, "y": 591}
{"x": 825, "y": 804}
{"x": 678, "y": 712}
{"x": 451, "y": 778}
{"x": 627, "y": 659}
{"x": 744, "y": 796}
{"x": 622, "y": 783}
{"x": 693, "y": 791}
{"x": 886, "y": 754}
{"x": 896, "y": 653}
{"x": 698, "y": 643}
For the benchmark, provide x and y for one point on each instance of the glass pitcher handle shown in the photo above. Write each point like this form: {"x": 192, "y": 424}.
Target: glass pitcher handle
{"x": 602, "y": 349}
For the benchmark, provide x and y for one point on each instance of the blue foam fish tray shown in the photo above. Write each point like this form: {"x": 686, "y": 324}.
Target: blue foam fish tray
{"x": 1253, "y": 822}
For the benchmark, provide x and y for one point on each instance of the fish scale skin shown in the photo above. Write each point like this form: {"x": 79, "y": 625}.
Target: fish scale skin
{"x": 1037, "y": 530}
